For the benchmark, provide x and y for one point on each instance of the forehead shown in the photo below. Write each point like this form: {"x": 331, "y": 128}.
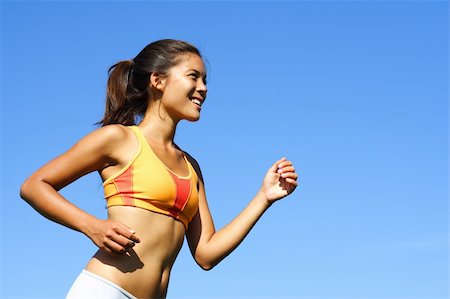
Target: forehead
{"x": 190, "y": 62}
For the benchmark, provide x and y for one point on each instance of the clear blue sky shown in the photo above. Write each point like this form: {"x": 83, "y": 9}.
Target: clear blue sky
{"x": 354, "y": 92}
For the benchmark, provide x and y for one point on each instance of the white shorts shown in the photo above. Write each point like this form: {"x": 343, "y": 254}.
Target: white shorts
{"x": 92, "y": 286}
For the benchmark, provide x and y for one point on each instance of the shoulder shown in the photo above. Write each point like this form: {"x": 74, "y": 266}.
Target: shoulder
{"x": 107, "y": 138}
{"x": 195, "y": 165}
{"x": 110, "y": 134}
{"x": 108, "y": 145}
{"x": 113, "y": 132}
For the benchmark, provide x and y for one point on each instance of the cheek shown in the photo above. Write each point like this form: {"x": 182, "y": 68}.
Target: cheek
{"x": 177, "y": 95}
{"x": 181, "y": 86}
{"x": 179, "y": 89}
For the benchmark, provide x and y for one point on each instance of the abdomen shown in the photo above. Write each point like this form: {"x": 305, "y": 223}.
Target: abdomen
{"x": 144, "y": 271}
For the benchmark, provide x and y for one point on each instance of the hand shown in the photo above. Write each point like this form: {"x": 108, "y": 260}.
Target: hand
{"x": 280, "y": 180}
{"x": 113, "y": 236}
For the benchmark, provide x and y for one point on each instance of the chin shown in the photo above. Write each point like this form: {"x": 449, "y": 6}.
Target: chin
{"x": 193, "y": 118}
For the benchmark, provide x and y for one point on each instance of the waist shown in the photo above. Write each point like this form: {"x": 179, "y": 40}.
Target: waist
{"x": 145, "y": 269}
{"x": 155, "y": 230}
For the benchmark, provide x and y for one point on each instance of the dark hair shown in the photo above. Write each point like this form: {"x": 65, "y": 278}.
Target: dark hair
{"x": 128, "y": 91}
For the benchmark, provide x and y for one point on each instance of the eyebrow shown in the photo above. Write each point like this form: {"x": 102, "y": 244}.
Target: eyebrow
{"x": 197, "y": 72}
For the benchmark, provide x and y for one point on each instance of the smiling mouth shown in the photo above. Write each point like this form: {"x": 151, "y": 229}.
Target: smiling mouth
{"x": 196, "y": 101}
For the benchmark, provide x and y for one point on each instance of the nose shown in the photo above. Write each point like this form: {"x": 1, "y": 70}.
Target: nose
{"x": 201, "y": 88}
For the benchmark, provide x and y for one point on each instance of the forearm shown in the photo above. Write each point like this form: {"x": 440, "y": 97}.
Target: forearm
{"x": 224, "y": 241}
{"x": 52, "y": 205}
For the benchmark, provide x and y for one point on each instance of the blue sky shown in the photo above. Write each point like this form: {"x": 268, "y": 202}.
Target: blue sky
{"x": 354, "y": 92}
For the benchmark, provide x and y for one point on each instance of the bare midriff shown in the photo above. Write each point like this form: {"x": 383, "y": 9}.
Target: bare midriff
{"x": 145, "y": 269}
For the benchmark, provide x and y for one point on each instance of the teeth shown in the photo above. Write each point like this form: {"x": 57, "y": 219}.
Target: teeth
{"x": 195, "y": 101}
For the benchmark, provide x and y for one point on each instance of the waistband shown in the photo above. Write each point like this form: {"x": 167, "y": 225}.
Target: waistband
{"x": 110, "y": 283}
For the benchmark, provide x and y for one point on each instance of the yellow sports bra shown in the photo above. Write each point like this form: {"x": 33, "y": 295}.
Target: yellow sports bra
{"x": 146, "y": 182}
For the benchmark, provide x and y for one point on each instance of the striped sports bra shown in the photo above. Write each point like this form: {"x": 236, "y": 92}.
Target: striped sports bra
{"x": 146, "y": 182}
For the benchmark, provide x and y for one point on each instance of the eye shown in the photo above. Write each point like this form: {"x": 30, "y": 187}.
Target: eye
{"x": 195, "y": 76}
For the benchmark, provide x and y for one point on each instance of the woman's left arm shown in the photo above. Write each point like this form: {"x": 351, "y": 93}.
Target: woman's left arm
{"x": 209, "y": 247}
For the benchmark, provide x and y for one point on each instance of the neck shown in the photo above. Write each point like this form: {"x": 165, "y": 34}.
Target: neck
{"x": 157, "y": 125}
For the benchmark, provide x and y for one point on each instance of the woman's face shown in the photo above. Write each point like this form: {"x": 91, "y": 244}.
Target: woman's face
{"x": 185, "y": 88}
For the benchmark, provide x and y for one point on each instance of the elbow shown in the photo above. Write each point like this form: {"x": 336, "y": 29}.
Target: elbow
{"x": 26, "y": 190}
{"x": 205, "y": 263}
{"x": 206, "y": 266}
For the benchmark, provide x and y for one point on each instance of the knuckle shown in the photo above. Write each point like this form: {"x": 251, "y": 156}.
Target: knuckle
{"x": 124, "y": 242}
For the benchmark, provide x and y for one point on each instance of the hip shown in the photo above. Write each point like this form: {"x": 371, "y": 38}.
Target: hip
{"x": 90, "y": 285}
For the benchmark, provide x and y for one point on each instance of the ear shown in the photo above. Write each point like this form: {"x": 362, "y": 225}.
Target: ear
{"x": 158, "y": 81}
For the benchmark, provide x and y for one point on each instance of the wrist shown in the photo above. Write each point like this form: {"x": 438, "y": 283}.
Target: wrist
{"x": 87, "y": 224}
{"x": 263, "y": 199}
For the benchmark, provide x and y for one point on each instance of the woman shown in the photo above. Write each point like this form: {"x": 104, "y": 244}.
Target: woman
{"x": 154, "y": 190}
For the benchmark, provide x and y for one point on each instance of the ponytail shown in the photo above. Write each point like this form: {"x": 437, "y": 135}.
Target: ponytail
{"x": 126, "y": 95}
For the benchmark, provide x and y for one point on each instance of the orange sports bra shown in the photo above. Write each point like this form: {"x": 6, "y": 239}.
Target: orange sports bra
{"x": 146, "y": 182}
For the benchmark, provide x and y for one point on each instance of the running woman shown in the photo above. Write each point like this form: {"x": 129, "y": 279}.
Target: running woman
{"x": 153, "y": 189}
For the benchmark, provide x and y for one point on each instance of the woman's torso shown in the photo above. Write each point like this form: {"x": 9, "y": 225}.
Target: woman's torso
{"x": 144, "y": 271}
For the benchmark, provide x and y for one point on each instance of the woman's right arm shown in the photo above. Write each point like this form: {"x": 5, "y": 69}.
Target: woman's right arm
{"x": 94, "y": 152}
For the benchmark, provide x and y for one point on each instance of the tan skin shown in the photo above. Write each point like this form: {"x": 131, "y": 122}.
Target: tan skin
{"x": 137, "y": 248}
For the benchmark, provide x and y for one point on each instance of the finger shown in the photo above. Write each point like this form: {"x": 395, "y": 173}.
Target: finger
{"x": 114, "y": 247}
{"x": 127, "y": 232}
{"x": 284, "y": 164}
{"x": 291, "y": 175}
{"x": 106, "y": 249}
{"x": 122, "y": 241}
{"x": 286, "y": 169}
{"x": 292, "y": 181}
{"x": 275, "y": 166}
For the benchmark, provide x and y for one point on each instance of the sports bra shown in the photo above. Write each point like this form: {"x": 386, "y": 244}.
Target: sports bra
{"x": 146, "y": 182}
